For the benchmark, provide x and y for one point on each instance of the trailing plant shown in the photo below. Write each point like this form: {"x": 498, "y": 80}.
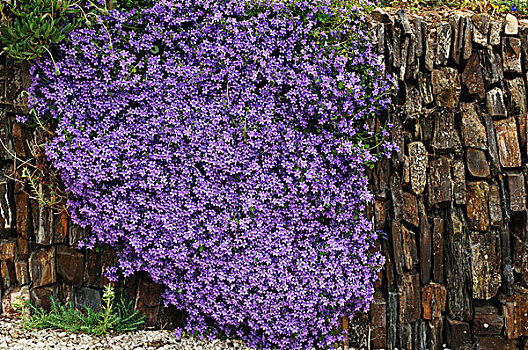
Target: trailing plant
{"x": 116, "y": 316}
{"x": 222, "y": 147}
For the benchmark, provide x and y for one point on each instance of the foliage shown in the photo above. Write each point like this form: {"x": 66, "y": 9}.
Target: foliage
{"x": 517, "y": 6}
{"x": 29, "y": 27}
{"x": 486, "y": 6}
{"x": 221, "y": 146}
{"x": 118, "y": 317}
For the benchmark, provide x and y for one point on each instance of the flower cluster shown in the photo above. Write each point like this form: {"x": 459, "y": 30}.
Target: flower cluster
{"x": 221, "y": 147}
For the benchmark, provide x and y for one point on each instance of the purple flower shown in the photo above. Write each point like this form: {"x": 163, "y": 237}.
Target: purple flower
{"x": 227, "y": 164}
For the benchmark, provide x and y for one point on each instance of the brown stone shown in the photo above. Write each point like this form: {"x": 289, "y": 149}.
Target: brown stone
{"x": 44, "y": 233}
{"x": 40, "y": 297}
{"x": 508, "y": 143}
{"x": 517, "y": 192}
{"x": 378, "y": 320}
{"x": 458, "y": 335}
{"x": 425, "y": 242}
{"x": 511, "y": 55}
{"x": 515, "y": 311}
{"x": 60, "y": 224}
{"x": 22, "y": 272}
{"x": 413, "y": 65}
{"x": 468, "y": 34}
{"x": 511, "y": 25}
{"x": 485, "y": 264}
{"x": 410, "y": 255}
{"x": 473, "y": 130}
{"x": 495, "y": 206}
{"x": 8, "y": 273}
{"x": 413, "y": 105}
{"x": 425, "y": 88}
{"x": 405, "y": 336}
{"x": 148, "y": 300}
{"x": 396, "y": 46}
{"x": 171, "y": 318}
{"x": 440, "y": 181}
{"x": 494, "y": 343}
{"x": 472, "y": 77}
{"x": 7, "y": 214}
{"x": 151, "y": 314}
{"x": 149, "y": 293}
{"x": 75, "y": 235}
{"x": 446, "y": 87}
{"x": 398, "y": 138}
{"x": 491, "y": 67}
{"x": 430, "y": 47}
{"x": 523, "y": 33}
{"x": 520, "y": 256}
{"x": 495, "y": 103}
{"x": 476, "y": 162}
{"x": 494, "y": 33}
{"x": 481, "y": 28}
{"x": 19, "y": 136}
{"x": 487, "y": 321}
{"x": 457, "y": 30}
{"x": 406, "y": 176}
{"x": 517, "y": 96}
{"x": 409, "y": 296}
{"x": 17, "y": 80}
{"x": 403, "y": 65}
{"x": 443, "y": 138}
{"x": 381, "y": 178}
{"x": 458, "y": 268}
{"x": 459, "y": 181}
{"x": 92, "y": 271}
{"x": 443, "y": 43}
{"x": 35, "y": 212}
{"x": 42, "y": 267}
{"x": 7, "y": 250}
{"x": 438, "y": 250}
{"x": 108, "y": 258}
{"x": 410, "y": 209}
{"x": 6, "y": 150}
{"x": 380, "y": 214}
{"x": 436, "y": 333}
{"x": 521, "y": 119}
{"x": 22, "y": 247}
{"x": 70, "y": 265}
{"x": 477, "y": 205}
{"x": 87, "y": 297}
{"x": 23, "y": 221}
{"x": 433, "y": 300}
{"x": 417, "y": 166}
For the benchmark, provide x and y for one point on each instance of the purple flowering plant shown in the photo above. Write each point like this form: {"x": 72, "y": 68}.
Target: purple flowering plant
{"x": 222, "y": 147}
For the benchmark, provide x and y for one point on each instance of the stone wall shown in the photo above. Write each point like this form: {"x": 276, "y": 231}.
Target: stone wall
{"x": 453, "y": 200}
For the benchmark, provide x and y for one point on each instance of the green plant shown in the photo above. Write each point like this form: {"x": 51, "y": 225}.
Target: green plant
{"x": 117, "y": 316}
{"x": 519, "y": 6}
{"x": 30, "y": 26}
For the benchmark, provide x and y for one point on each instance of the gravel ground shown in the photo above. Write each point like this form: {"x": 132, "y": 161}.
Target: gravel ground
{"x": 13, "y": 337}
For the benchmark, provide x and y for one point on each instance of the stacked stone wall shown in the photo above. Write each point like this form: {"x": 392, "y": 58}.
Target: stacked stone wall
{"x": 453, "y": 199}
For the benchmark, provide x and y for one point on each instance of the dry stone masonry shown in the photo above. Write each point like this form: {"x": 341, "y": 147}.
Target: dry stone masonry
{"x": 453, "y": 199}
